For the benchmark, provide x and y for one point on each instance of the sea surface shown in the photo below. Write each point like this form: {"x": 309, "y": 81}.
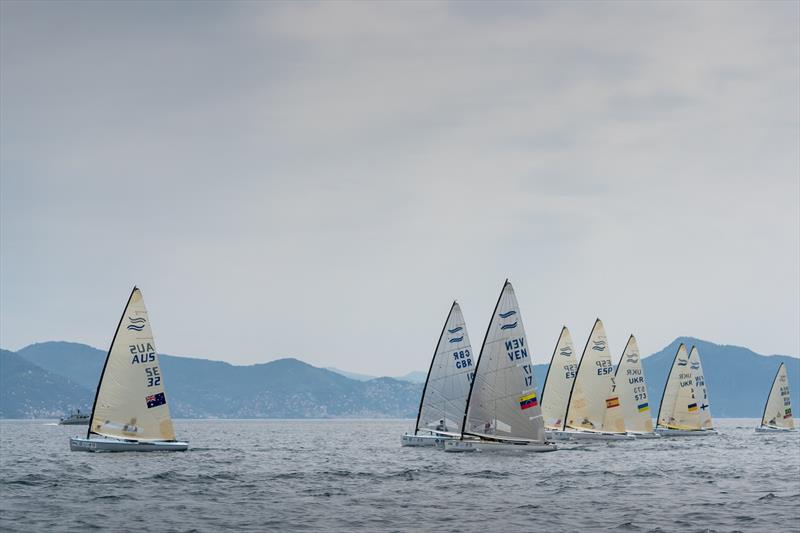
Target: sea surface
{"x": 352, "y": 475}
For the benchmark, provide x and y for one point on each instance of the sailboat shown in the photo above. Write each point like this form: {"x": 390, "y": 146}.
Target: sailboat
{"x": 444, "y": 396}
{"x": 701, "y": 391}
{"x": 778, "y": 416}
{"x": 594, "y": 409}
{"x": 679, "y": 413}
{"x": 558, "y": 383}
{"x": 503, "y": 411}
{"x": 130, "y": 411}
{"x": 632, "y": 388}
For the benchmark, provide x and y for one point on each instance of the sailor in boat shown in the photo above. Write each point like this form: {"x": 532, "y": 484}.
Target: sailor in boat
{"x": 587, "y": 422}
{"x": 441, "y": 426}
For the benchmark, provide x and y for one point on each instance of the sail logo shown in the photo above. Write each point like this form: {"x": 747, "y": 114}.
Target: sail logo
{"x": 682, "y": 362}
{"x": 566, "y": 351}
{"x": 455, "y": 330}
{"x": 457, "y": 339}
{"x": 154, "y": 400}
{"x": 695, "y": 365}
{"x": 137, "y": 324}
{"x": 509, "y": 326}
{"x": 599, "y": 345}
{"x": 507, "y": 314}
{"x": 783, "y": 378}
{"x": 632, "y": 358}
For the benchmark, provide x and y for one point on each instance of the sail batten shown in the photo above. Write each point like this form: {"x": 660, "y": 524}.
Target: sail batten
{"x": 131, "y": 402}
{"x": 503, "y": 403}
{"x": 444, "y": 395}
{"x": 778, "y": 409}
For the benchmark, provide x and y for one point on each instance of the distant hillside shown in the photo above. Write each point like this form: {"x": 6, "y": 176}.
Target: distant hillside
{"x": 413, "y": 377}
{"x": 199, "y": 388}
{"x": 47, "y": 379}
{"x": 28, "y": 391}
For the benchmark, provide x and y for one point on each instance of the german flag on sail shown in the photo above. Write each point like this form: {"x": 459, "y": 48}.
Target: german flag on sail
{"x": 692, "y": 407}
{"x": 643, "y": 407}
{"x": 612, "y": 402}
{"x": 528, "y": 401}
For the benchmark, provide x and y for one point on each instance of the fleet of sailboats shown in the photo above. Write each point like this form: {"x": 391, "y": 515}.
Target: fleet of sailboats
{"x": 778, "y": 416}
{"x": 130, "y": 411}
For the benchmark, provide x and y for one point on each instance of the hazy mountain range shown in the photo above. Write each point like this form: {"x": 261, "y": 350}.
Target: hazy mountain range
{"x": 48, "y": 379}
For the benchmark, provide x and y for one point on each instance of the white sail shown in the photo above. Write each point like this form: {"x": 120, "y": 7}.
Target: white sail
{"x": 594, "y": 403}
{"x": 558, "y": 383}
{"x": 632, "y": 388}
{"x": 131, "y": 402}
{"x": 503, "y": 402}
{"x": 778, "y": 410}
{"x": 679, "y": 408}
{"x": 700, "y": 389}
{"x": 444, "y": 397}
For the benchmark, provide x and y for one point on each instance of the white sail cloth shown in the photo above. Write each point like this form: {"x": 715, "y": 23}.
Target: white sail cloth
{"x": 632, "y": 388}
{"x": 679, "y": 408}
{"x": 503, "y": 402}
{"x": 558, "y": 383}
{"x": 594, "y": 404}
{"x": 700, "y": 389}
{"x": 131, "y": 402}
{"x": 444, "y": 397}
{"x": 778, "y": 410}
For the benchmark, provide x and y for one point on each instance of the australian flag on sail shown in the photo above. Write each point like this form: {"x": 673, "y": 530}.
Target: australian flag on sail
{"x": 155, "y": 400}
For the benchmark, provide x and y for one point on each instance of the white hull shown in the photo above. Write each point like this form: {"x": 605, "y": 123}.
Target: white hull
{"x": 556, "y": 434}
{"x": 595, "y": 435}
{"x": 644, "y": 435}
{"x": 767, "y": 429}
{"x": 456, "y": 445}
{"x": 423, "y": 440}
{"x": 666, "y": 432}
{"x": 101, "y": 444}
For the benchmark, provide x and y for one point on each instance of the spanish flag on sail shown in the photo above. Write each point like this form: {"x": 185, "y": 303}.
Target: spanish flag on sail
{"x": 612, "y": 402}
{"x": 692, "y": 407}
{"x": 528, "y": 401}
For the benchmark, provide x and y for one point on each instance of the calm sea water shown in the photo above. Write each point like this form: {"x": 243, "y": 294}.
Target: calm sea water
{"x": 353, "y": 475}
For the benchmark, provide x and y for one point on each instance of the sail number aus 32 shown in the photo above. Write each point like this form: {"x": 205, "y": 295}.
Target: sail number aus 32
{"x": 153, "y": 377}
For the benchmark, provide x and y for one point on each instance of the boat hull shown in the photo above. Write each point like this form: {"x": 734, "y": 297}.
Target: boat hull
{"x": 407, "y": 439}
{"x": 456, "y": 445}
{"x": 595, "y": 435}
{"x": 74, "y": 422}
{"x": 766, "y": 429}
{"x": 653, "y": 435}
{"x": 556, "y": 434}
{"x": 667, "y": 432}
{"x": 77, "y": 444}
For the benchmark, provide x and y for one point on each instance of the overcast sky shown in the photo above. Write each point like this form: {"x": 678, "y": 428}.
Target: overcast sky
{"x": 321, "y": 180}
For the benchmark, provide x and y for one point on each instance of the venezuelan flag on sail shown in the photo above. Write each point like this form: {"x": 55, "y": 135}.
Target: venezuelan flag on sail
{"x": 528, "y": 401}
{"x": 692, "y": 407}
{"x": 643, "y": 407}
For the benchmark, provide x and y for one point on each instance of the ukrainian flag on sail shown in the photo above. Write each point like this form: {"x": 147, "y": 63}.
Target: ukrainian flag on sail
{"x": 528, "y": 401}
{"x": 692, "y": 407}
{"x": 643, "y": 407}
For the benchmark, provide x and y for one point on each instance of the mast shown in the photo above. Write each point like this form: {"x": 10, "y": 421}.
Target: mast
{"x": 105, "y": 363}
{"x": 552, "y": 360}
{"x": 480, "y": 358}
{"x": 433, "y": 359}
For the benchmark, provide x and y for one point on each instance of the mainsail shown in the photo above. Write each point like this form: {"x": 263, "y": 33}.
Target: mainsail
{"x": 679, "y": 408}
{"x": 778, "y": 410}
{"x": 632, "y": 389}
{"x": 444, "y": 396}
{"x": 594, "y": 403}
{"x": 701, "y": 391}
{"x": 130, "y": 402}
{"x": 558, "y": 382}
{"x": 503, "y": 402}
